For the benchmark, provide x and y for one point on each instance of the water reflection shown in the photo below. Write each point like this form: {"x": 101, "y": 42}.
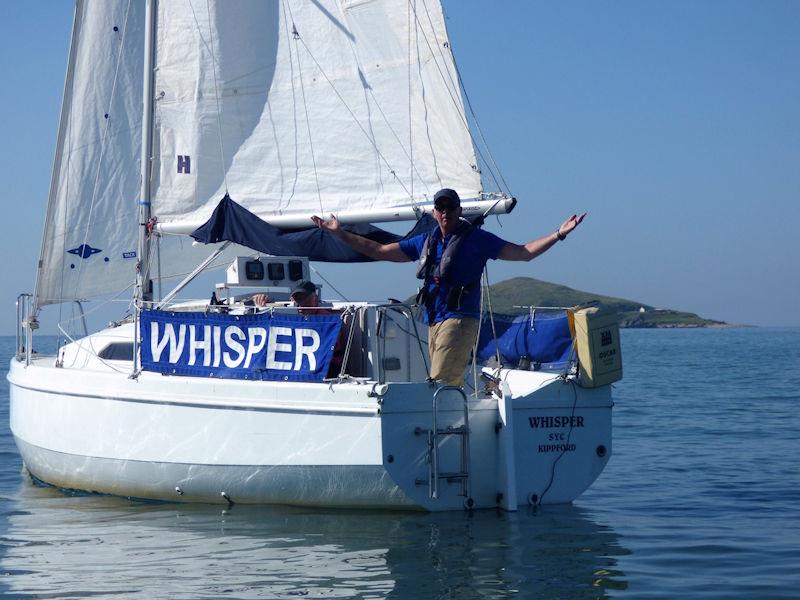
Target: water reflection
{"x": 60, "y": 546}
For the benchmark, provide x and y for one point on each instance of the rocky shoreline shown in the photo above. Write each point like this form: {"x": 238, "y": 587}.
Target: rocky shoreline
{"x": 715, "y": 325}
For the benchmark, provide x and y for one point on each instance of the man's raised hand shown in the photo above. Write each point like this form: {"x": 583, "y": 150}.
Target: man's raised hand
{"x": 570, "y": 224}
{"x": 331, "y": 225}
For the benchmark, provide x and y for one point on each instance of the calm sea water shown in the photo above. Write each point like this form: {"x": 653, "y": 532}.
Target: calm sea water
{"x": 700, "y": 500}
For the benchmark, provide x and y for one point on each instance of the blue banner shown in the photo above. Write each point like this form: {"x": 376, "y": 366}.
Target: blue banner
{"x": 261, "y": 346}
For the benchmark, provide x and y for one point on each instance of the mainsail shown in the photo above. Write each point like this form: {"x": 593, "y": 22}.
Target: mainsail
{"x": 290, "y": 107}
{"x": 306, "y": 107}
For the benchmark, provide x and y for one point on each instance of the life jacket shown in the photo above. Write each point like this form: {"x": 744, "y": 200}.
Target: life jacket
{"x": 431, "y": 271}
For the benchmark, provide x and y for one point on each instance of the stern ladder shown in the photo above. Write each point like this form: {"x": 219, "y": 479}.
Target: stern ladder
{"x": 435, "y": 434}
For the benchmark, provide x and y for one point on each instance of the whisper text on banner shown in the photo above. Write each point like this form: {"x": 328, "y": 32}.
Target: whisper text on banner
{"x": 274, "y": 347}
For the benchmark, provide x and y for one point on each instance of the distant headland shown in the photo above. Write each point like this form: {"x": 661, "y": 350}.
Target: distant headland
{"x": 513, "y": 296}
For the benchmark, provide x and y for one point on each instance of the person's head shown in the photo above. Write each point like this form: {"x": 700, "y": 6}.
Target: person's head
{"x": 447, "y": 210}
{"x": 305, "y": 294}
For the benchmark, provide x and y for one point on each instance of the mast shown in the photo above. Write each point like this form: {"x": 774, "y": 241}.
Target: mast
{"x": 144, "y": 291}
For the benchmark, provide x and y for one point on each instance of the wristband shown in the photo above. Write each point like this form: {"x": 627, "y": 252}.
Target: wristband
{"x": 559, "y": 235}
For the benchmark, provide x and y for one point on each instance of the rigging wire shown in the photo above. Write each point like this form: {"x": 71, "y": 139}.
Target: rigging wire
{"x": 290, "y": 48}
{"x": 410, "y": 128}
{"x": 321, "y": 276}
{"x": 62, "y": 323}
{"x": 210, "y": 48}
{"x": 104, "y": 142}
{"x": 103, "y": 146}
{"x": 452, "y": 88}
{"x": 493, "y": 166}
{"x": 408, "y": 155}
{"x": 491, "y": 314}
{"x": 350, "y": 335}
{"x": 216, "y": 98}
{"x": 454, "y": 84}
{"x": 352, "y": 114}
{"x": 89, "y": 348}
{"x": 308, "y": 128}
{"x": 475, "y": 350}
{"x": 296, "y": 36}
{"x": 68, "y": 135}
{"x": 407, "y": 152}
{"x": 61, "y": 281}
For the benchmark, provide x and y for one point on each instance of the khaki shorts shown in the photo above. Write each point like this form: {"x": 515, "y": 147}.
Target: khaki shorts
{"x": 449, "y": 345}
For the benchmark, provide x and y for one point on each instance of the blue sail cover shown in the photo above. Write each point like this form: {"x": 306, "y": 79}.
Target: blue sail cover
{"x": 232, "y": 222}
{"x": 545, "y": 339}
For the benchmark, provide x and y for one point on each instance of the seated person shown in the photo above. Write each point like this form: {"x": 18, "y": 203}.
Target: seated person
{"x": 305, "y": 297}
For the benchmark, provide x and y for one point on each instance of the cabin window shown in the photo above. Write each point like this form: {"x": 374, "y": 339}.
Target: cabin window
{"x": 117, "y": 351}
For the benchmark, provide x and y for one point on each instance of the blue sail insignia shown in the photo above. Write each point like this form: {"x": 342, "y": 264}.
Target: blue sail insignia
{"x": 84, "y": 251}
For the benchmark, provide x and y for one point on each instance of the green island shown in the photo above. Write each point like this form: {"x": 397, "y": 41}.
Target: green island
{"x": 514, "y": 296}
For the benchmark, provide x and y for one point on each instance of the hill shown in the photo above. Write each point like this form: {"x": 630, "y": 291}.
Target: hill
{"x": 515, "y": 296}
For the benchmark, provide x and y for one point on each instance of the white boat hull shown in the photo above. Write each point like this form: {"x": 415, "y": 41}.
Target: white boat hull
{"x": 344, "y": 445}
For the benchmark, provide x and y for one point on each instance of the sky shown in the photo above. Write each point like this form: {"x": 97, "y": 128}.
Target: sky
{"x": 676, "y": 125}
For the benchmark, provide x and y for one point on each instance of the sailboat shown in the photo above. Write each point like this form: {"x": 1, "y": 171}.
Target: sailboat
{"x": 206, "y": 133}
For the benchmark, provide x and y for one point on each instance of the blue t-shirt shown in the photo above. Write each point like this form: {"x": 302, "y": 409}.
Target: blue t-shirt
{"x": 467, "y": 267}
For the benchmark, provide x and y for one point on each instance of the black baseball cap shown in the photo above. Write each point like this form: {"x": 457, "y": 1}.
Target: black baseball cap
{"x": 446, "y": 198}
{"x": 305, "y": 287}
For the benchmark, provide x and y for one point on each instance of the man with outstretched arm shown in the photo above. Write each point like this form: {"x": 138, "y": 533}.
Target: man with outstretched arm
{"x": 451, "y": 261}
